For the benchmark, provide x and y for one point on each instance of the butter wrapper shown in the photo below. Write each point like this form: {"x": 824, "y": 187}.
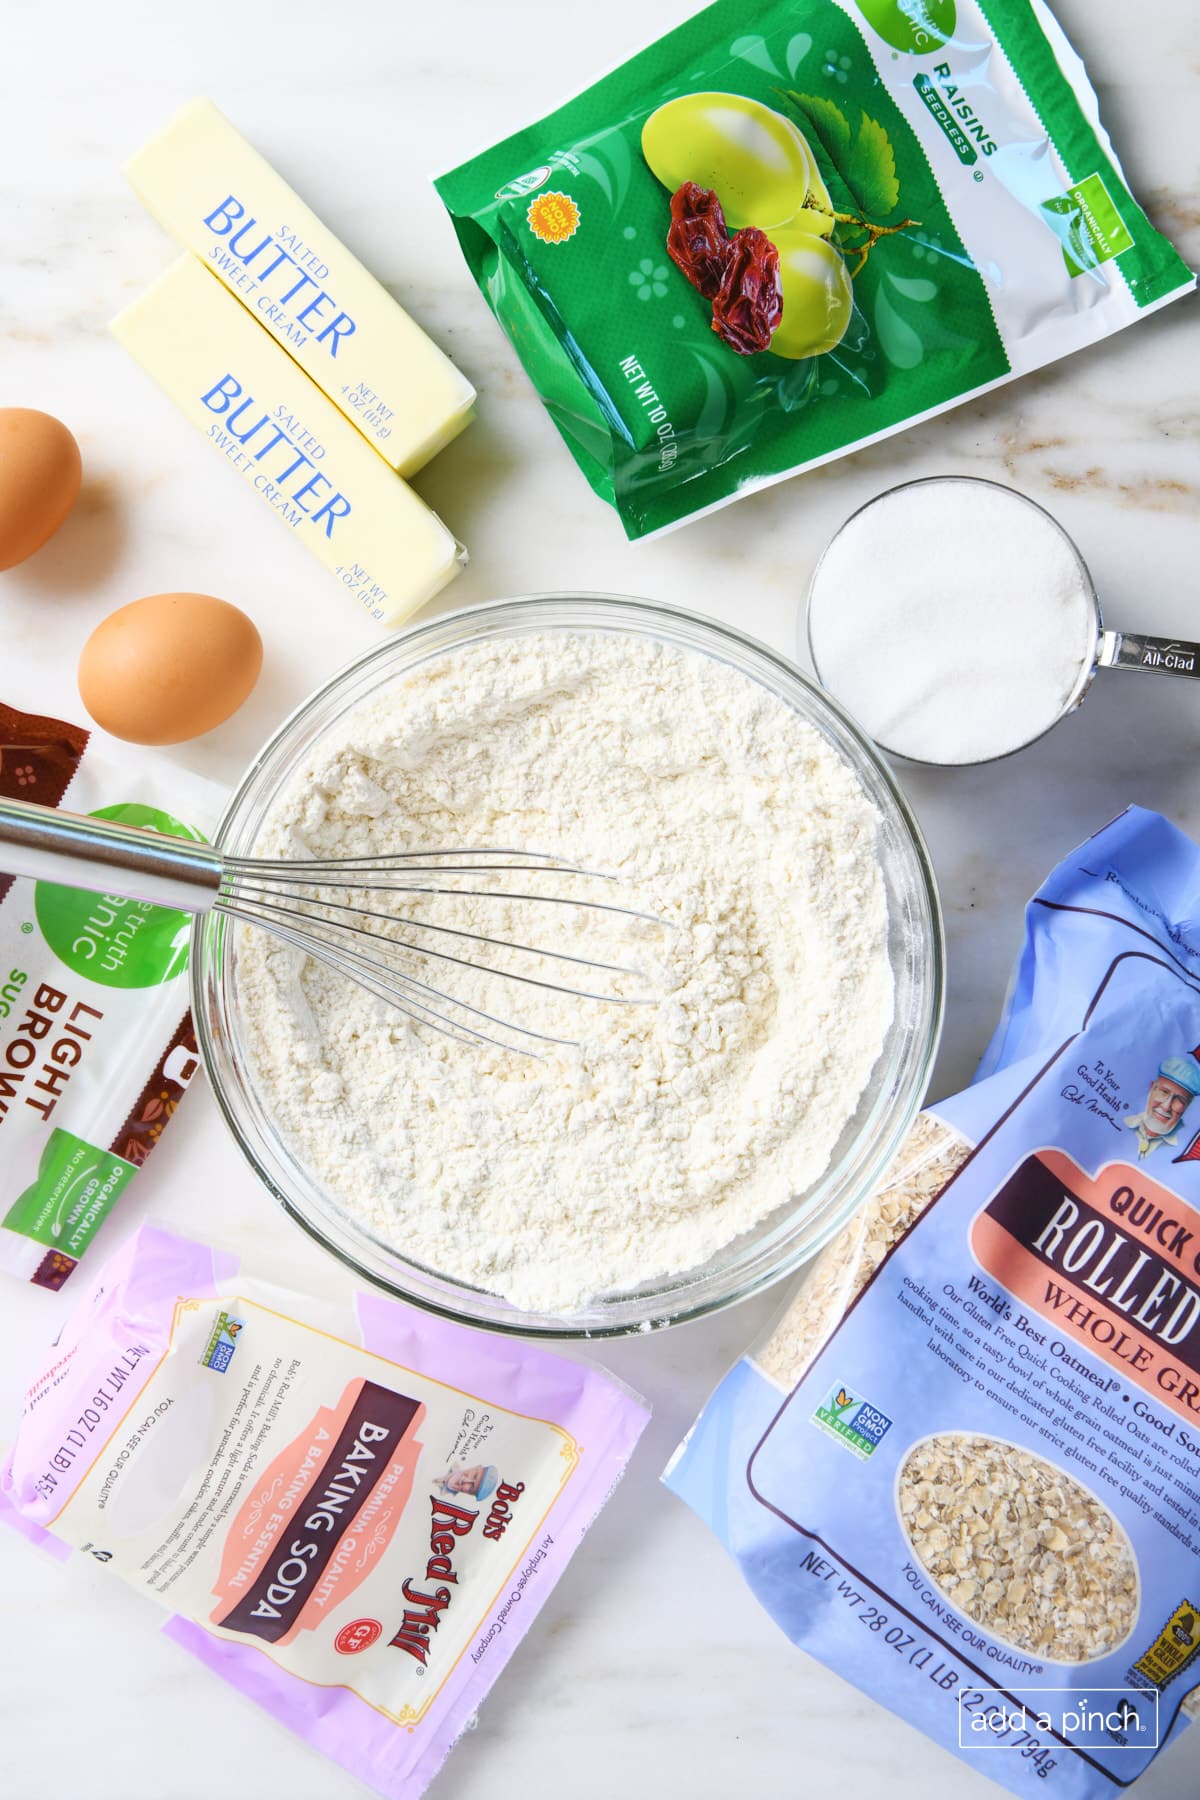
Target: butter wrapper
{"x": 279, "y": 433}
{"x": 223, "y": 201}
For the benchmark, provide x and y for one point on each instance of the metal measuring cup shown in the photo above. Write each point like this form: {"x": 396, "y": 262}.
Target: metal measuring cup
{"x": 1108, "y": 649}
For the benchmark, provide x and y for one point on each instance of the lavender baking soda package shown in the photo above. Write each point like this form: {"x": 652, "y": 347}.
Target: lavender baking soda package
{"x": 963, "y": 1470}
{"x": 353, "y": 1519}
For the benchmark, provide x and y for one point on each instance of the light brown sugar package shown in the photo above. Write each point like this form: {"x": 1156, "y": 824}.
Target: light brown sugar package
{"x": 96, "y": 1040}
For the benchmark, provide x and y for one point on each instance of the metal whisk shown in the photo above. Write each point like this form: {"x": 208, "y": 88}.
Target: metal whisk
{"x": 304, "y": 904}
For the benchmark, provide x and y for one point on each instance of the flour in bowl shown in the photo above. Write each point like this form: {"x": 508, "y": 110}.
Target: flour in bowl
{"x": 666, "y": 1129}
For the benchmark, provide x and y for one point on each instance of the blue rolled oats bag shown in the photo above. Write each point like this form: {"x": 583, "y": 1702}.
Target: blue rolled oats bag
{"x": 963, "y": 1469}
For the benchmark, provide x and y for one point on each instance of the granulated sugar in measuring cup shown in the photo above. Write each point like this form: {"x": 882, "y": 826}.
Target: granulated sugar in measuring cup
{"x": 958, "y": 622}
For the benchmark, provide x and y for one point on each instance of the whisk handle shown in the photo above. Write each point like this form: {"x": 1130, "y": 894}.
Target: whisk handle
{"x": 107, "y": 857}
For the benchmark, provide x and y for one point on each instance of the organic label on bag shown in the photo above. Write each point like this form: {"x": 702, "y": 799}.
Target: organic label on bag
{"x": 783, "y": 231}
{"x": 1096, "y": 231}
{"x": 76, "y": 1188}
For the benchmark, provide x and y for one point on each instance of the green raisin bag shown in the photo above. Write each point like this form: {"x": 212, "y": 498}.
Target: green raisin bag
{"x": 882, "y": 208}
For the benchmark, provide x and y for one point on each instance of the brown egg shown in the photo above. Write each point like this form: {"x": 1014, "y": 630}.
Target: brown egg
{"x": 167, "y": 668}
{"x": 39, "y": 480}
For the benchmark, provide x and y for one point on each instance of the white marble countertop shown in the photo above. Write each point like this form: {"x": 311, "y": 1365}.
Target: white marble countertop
{"x": 652, "y": 1668}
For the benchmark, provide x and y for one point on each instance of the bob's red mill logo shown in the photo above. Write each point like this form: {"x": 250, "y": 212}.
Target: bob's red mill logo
{"x": 427, "y": 1604}
{"x": 449, "y": 1525}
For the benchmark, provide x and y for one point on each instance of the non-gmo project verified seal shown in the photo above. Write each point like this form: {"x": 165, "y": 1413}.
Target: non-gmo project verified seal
{"x": 853, "y": 1421}
{"x": 222, "y": 1342}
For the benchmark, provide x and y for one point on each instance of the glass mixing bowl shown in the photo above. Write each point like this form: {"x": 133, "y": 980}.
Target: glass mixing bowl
{"x": 801, "y": 1223}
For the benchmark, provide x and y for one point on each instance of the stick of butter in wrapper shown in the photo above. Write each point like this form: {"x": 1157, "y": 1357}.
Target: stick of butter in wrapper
{"x": 296, "y": 451}
{"x": 214, "y": 193}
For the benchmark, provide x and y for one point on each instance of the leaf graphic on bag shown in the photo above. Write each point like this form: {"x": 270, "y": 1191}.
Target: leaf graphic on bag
{"x": 862, "y": 161}
{"x": 857, "y": 164}
{"x": 827, "y": 124}
{"x": 870, "y": 172}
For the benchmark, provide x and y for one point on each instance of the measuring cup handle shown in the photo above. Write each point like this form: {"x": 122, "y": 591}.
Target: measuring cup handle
{"x": 1153, "y": 655}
